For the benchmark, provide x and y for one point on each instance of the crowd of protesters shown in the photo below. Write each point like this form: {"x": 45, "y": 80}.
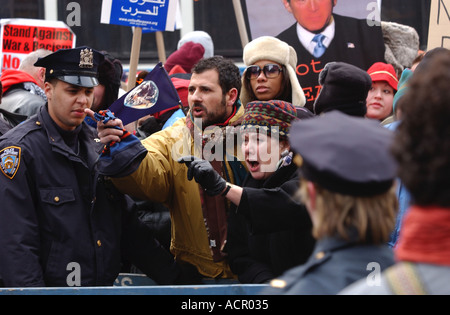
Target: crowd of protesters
{"x": 305, "y": 193}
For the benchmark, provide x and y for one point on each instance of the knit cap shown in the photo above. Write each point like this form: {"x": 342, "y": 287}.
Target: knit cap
{"x": 266, "y": 115}
{"x": 187, "y": 57}
{"x": 199, "y": 37}
{"x": 345, "y": 88}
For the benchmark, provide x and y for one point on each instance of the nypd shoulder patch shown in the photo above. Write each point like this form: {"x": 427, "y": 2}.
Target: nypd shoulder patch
{"x": 10, "y": 161}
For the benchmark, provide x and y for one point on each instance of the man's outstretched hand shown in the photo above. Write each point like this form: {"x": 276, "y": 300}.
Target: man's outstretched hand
{"x": 109, "y": 131}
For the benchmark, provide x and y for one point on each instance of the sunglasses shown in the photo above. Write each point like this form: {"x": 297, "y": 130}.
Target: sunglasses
{"x": 270, "y": 71}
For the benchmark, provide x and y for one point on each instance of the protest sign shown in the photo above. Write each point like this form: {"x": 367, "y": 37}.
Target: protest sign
{"x": 439, "y": 31}
{"x": 148, "y": 15}
{"x": 19, "y": 37}
{"x": 155, "y": 15}
{"x": 353, "y": 35}
{"x": 269, "y": 17}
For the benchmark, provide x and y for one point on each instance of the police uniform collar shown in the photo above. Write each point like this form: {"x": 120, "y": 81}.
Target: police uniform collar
{"x": 54, "y": 136}
{"x": 333, "y": 243}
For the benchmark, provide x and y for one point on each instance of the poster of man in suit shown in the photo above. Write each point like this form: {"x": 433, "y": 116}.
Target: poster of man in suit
{"x": 321, "y": 31}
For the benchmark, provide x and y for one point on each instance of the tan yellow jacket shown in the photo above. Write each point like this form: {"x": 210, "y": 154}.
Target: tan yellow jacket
{"x": 161, "y": 178}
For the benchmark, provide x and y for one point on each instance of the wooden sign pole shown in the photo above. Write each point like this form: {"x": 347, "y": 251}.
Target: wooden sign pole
{"x": 240, "y": 22}
{"x": 134, "y": 58}
{"x": 161, "y": 47}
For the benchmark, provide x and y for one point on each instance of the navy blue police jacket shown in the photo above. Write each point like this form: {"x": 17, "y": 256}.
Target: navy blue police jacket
{"x": 335, "y": 264}
{"x": 61, "y": 220}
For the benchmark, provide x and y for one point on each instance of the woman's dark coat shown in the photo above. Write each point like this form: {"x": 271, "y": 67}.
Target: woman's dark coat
{"x": 270, "y": 232}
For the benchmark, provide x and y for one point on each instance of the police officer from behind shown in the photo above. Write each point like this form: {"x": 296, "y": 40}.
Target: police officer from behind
{"x": 62, "y": 224}
{"x": 347, "y": 186}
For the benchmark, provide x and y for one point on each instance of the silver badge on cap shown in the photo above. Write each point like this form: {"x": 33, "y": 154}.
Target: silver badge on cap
{"x": 86, "y": 58}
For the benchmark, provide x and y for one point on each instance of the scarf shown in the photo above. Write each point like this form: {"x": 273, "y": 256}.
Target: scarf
{"x": 215, "y": 208}
{"x": 425, "y": 236}
{"x": 35, "y": 89}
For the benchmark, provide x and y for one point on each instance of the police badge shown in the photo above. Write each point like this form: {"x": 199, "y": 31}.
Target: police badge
{"x": 86, "y": 58}
{"x": 10, "y": 161}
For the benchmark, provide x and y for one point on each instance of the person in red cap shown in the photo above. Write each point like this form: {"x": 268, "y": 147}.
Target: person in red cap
{"x": 381, "y": 95}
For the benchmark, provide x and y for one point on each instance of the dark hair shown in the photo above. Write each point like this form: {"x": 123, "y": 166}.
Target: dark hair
{"x": 422, "y": 144}
{"x": 285, "y": 93}
{"x": 229, "y": 73}
{"x": 52, "y": 80}
{"x": 109, "y": 75}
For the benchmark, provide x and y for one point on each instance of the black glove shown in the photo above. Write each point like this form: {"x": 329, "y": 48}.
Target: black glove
{"x": 204, "y": 174}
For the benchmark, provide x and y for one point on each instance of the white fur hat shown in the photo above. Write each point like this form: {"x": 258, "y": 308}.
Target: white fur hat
{"x": 271, "y": 48}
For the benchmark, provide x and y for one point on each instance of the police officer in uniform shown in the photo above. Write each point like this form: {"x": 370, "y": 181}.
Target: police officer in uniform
{"x": 347, "y": 186}
{"x": 63, "y": 224}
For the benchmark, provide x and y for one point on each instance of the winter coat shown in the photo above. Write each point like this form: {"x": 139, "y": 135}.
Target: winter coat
{"x": 9, "y": 120}
{"x": 416, "y": 279}
{"x": 270, "y": 232}
{"x": 160, "y": 178}
{"x": 16, "y": 99}
{"x": 335, "y": 264}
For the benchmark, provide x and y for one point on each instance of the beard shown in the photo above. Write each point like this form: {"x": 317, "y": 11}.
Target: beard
{"x": 213, "y": 118}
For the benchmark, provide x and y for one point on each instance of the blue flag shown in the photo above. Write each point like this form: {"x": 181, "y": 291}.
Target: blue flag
{"x": 155, "y": 94}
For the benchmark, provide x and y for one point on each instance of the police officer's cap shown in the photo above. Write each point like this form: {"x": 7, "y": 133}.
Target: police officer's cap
{"x": 344, "y": 154}
{"x": 78, "y": 66}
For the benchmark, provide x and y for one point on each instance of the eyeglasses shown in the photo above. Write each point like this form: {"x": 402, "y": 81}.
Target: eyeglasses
{"x": 270, "y": 70}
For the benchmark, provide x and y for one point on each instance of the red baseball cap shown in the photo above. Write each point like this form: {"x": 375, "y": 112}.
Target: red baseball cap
{"x": 381, "y": 71}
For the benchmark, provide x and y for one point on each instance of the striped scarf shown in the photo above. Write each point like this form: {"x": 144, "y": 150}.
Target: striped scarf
{"x": 214, "y": 208}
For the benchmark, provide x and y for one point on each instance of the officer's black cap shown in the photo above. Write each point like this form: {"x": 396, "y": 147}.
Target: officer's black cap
{"x": 345, "y": 154}
{"x": 78, "y": 66}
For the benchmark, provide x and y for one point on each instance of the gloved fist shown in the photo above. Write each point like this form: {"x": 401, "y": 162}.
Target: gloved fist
{"x": 204, "y": 174}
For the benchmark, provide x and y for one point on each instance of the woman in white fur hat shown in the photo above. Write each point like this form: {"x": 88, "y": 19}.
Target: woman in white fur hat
{"x": 270, "y": 73}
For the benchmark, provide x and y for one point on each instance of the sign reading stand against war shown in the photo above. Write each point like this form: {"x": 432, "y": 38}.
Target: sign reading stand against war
{"x": 19, "y": 37}
{"x": 154, "y": 15}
